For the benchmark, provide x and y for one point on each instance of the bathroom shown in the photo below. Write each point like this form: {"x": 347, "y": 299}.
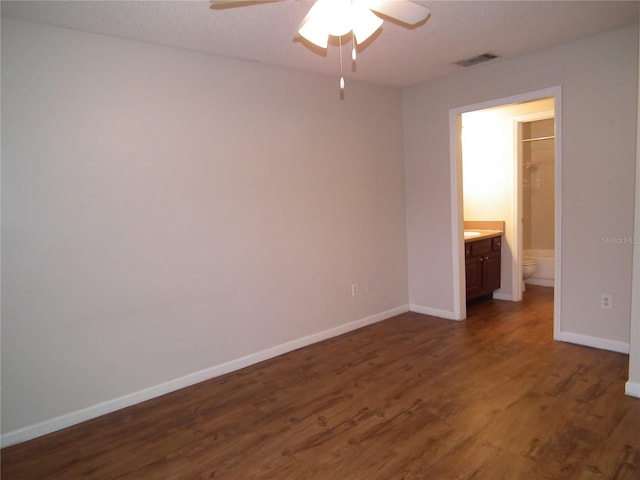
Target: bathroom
{"x": 537, "y": 157}
{"x": 508, "y": 174}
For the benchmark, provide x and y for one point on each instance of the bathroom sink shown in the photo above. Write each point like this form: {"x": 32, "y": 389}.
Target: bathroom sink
{"x": 471, "y": 234}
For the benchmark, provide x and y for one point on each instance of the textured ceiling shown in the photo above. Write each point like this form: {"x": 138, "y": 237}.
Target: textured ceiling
{"x": 396, "y": 56}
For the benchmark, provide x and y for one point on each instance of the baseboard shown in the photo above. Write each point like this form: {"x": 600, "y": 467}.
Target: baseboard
{"x": 79, "y": 416}
{"x": 434, "y": 312}
{"x": 632, "y": 389}
{"x": 503, "y": 296}
{"x": 595, "y": 342}
{"x": 541, "y": 282}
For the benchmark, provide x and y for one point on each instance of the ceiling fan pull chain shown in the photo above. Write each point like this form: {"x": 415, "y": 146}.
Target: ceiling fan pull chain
{"x": 341, "y": 75}
{"x": 353, "y": 36}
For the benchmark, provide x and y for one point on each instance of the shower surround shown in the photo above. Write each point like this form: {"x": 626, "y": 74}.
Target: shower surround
{"x": 538, "y": 159}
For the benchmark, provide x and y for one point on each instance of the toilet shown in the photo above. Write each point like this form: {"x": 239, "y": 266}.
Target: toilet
{"x": 528, "y": 267}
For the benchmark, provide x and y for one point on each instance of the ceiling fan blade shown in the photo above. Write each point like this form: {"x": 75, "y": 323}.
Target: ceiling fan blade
{"x": 403, "y": 11}
{"x": 222, "y": 4}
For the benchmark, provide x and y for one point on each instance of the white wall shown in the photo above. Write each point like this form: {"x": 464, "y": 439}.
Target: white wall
{"x": 633, "y": 385}
{"x": 165, "y": 213}
{"x": 598, "y": 77}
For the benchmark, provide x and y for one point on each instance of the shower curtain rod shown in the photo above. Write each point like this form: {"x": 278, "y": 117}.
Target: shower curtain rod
{"x": 538, "y": 138}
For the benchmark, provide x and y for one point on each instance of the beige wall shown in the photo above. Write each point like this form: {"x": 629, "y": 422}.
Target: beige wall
{"x": 168, "y": 216}
{"x": 598, "y": 76}
{"x": 633, "y": 385}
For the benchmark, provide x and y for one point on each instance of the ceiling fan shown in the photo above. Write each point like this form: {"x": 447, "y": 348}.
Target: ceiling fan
{"x": 336, "y": 18}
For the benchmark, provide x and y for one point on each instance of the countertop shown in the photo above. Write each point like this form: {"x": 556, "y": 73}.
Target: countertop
{"x": 481, "y": 234}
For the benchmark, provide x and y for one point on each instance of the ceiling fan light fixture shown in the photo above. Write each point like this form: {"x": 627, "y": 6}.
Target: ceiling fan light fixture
{"x": 314, "y": 32}
{"x": 326, "y": 17}
{"x": 337, "y": 18}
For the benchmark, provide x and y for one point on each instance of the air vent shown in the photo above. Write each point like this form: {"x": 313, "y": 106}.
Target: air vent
{"x": 469, "y": 62}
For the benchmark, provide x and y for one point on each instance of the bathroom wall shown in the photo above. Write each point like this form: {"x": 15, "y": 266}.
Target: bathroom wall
{"x": 538, "y": 185}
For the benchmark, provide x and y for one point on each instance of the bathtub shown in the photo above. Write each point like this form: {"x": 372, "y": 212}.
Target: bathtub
{"x": 545, "y": 269}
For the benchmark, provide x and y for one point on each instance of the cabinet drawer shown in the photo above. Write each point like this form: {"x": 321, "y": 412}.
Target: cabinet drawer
{"x": 480, "y": 247}
{"x": 496, "y": 243}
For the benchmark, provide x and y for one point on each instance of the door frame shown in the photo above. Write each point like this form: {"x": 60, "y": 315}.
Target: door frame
{"x": 457, "y": 203}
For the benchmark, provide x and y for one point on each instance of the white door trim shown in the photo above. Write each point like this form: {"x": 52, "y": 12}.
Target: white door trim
{"x": 457, "y": 217}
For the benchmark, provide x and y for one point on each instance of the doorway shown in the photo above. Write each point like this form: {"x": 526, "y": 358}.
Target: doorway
{"x": 492, "y": 190}
{"x": 536, "y": 160}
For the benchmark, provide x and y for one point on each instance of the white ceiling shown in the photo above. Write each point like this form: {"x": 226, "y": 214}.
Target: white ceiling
{"x": 397, "y": 56}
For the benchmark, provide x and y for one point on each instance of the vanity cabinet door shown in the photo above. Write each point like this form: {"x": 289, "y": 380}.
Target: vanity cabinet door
{"x": 473, "y": 276}
{"x": 482, "y": 266}
{"x": 491, "y": 271}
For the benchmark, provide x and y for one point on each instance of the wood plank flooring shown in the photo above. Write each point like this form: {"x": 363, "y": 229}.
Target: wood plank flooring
{"x": 413, "y": 397}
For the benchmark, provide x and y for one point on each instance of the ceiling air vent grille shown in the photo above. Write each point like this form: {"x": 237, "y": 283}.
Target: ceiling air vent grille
{"x": 469, "y": 62}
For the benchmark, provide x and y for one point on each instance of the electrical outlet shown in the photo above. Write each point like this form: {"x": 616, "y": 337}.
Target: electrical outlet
{"x": 367, "y": 287}
{"x": 606, "y": 301}
{"x": 354, "y": 290}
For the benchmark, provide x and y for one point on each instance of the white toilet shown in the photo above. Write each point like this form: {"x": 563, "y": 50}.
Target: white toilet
{"x": 528, "y": 267}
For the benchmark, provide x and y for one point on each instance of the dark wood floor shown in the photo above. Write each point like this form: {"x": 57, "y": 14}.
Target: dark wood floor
{"x": 413, "y": 397}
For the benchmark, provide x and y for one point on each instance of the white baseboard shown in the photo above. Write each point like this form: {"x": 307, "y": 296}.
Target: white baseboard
{"x": 434, "y": 312}
{"x": 595, "y": 342}
{"x": 632, "y": 389}
{"x": 73, "y": 418}
{"x": 503, "y": 296}
{"x": 541, "y": 282}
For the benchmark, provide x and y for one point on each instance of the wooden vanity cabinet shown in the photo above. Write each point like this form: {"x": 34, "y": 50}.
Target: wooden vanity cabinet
{"x": 482, "y": 260}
